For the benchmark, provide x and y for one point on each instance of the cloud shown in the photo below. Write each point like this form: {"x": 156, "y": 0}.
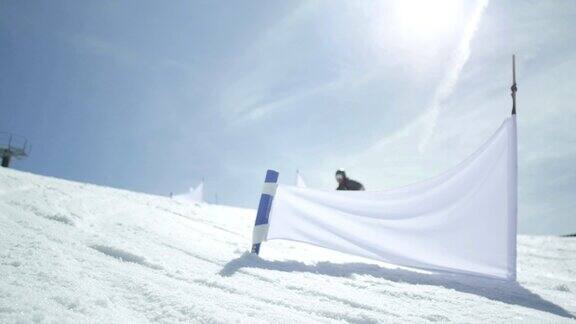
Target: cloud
{"x": 248, "y": 92}
{"x": 446, "y": 87}
{"x": 298, "y": 58}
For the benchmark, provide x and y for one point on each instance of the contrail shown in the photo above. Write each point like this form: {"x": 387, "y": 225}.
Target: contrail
{"x": 447, "y": 85}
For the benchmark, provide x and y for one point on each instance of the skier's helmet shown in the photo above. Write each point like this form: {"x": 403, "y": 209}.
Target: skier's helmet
{"x": 340, "y": 175}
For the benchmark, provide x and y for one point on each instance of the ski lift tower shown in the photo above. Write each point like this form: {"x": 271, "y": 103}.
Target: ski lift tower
{"x": 12, "y": 145}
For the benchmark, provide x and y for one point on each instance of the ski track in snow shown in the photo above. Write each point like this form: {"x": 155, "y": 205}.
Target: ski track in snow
{"x": 73, "y": 252}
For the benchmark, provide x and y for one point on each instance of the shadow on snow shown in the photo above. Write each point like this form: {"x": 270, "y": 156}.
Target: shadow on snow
{"x": 507, "y": 292}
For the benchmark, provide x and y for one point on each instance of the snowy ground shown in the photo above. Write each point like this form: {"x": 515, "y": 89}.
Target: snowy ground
{"x": 73, "y": 252}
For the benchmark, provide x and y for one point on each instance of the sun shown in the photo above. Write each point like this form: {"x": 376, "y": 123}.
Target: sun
{"x": 427, "y": 20}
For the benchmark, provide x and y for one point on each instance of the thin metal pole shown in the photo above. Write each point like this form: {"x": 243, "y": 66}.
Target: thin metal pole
{"x": 514, "y": 87}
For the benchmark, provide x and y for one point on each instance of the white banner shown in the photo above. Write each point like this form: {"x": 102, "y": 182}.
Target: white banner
{"x": 196, "y": 195}
{"x": 300, "y": 181}
{"x": 462, "y": 221}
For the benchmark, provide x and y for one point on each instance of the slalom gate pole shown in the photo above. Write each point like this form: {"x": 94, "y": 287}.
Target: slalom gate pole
{"x": 261, "y": 225}
{"x": 513, "y": 209}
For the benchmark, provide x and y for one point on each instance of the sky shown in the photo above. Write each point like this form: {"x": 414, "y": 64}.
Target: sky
{"x": 154, "y": 96}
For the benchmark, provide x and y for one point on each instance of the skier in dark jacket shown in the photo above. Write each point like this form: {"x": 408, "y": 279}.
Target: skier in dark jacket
{"x": 345, "y": 183}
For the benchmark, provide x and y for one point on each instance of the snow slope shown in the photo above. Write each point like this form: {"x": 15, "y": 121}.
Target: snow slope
{"x": 73, "y": 252}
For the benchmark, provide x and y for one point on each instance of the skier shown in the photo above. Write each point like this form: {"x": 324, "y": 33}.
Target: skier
{"x": 345, "y": 183}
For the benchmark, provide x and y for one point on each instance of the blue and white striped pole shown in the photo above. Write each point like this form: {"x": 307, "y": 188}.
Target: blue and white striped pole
{"x": 261, "y": 225}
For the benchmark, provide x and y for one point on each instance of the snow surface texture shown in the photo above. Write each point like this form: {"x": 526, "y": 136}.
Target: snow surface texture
{"x": 73, "y": 252}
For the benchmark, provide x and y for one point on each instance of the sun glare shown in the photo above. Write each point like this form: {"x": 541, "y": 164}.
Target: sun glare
{"x": 427, "y": 19}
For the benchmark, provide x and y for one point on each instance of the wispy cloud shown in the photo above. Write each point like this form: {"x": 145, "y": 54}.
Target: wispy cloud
{"x": 446, "y": 87}
{"x": 247, "y": 95}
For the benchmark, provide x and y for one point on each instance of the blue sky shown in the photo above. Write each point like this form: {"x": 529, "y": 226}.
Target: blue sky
{"x": 154, "y": 96}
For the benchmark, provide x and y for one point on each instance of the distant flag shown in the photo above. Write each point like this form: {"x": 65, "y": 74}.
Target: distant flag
{"x": 300, "y": 181}
{"x": 196, "y": 195}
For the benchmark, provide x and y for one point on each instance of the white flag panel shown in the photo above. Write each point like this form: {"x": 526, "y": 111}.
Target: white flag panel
{"x": 461, "y": 221}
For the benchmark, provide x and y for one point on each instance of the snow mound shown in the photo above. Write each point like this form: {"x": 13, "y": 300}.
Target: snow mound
{"x": 73, "y": 252}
